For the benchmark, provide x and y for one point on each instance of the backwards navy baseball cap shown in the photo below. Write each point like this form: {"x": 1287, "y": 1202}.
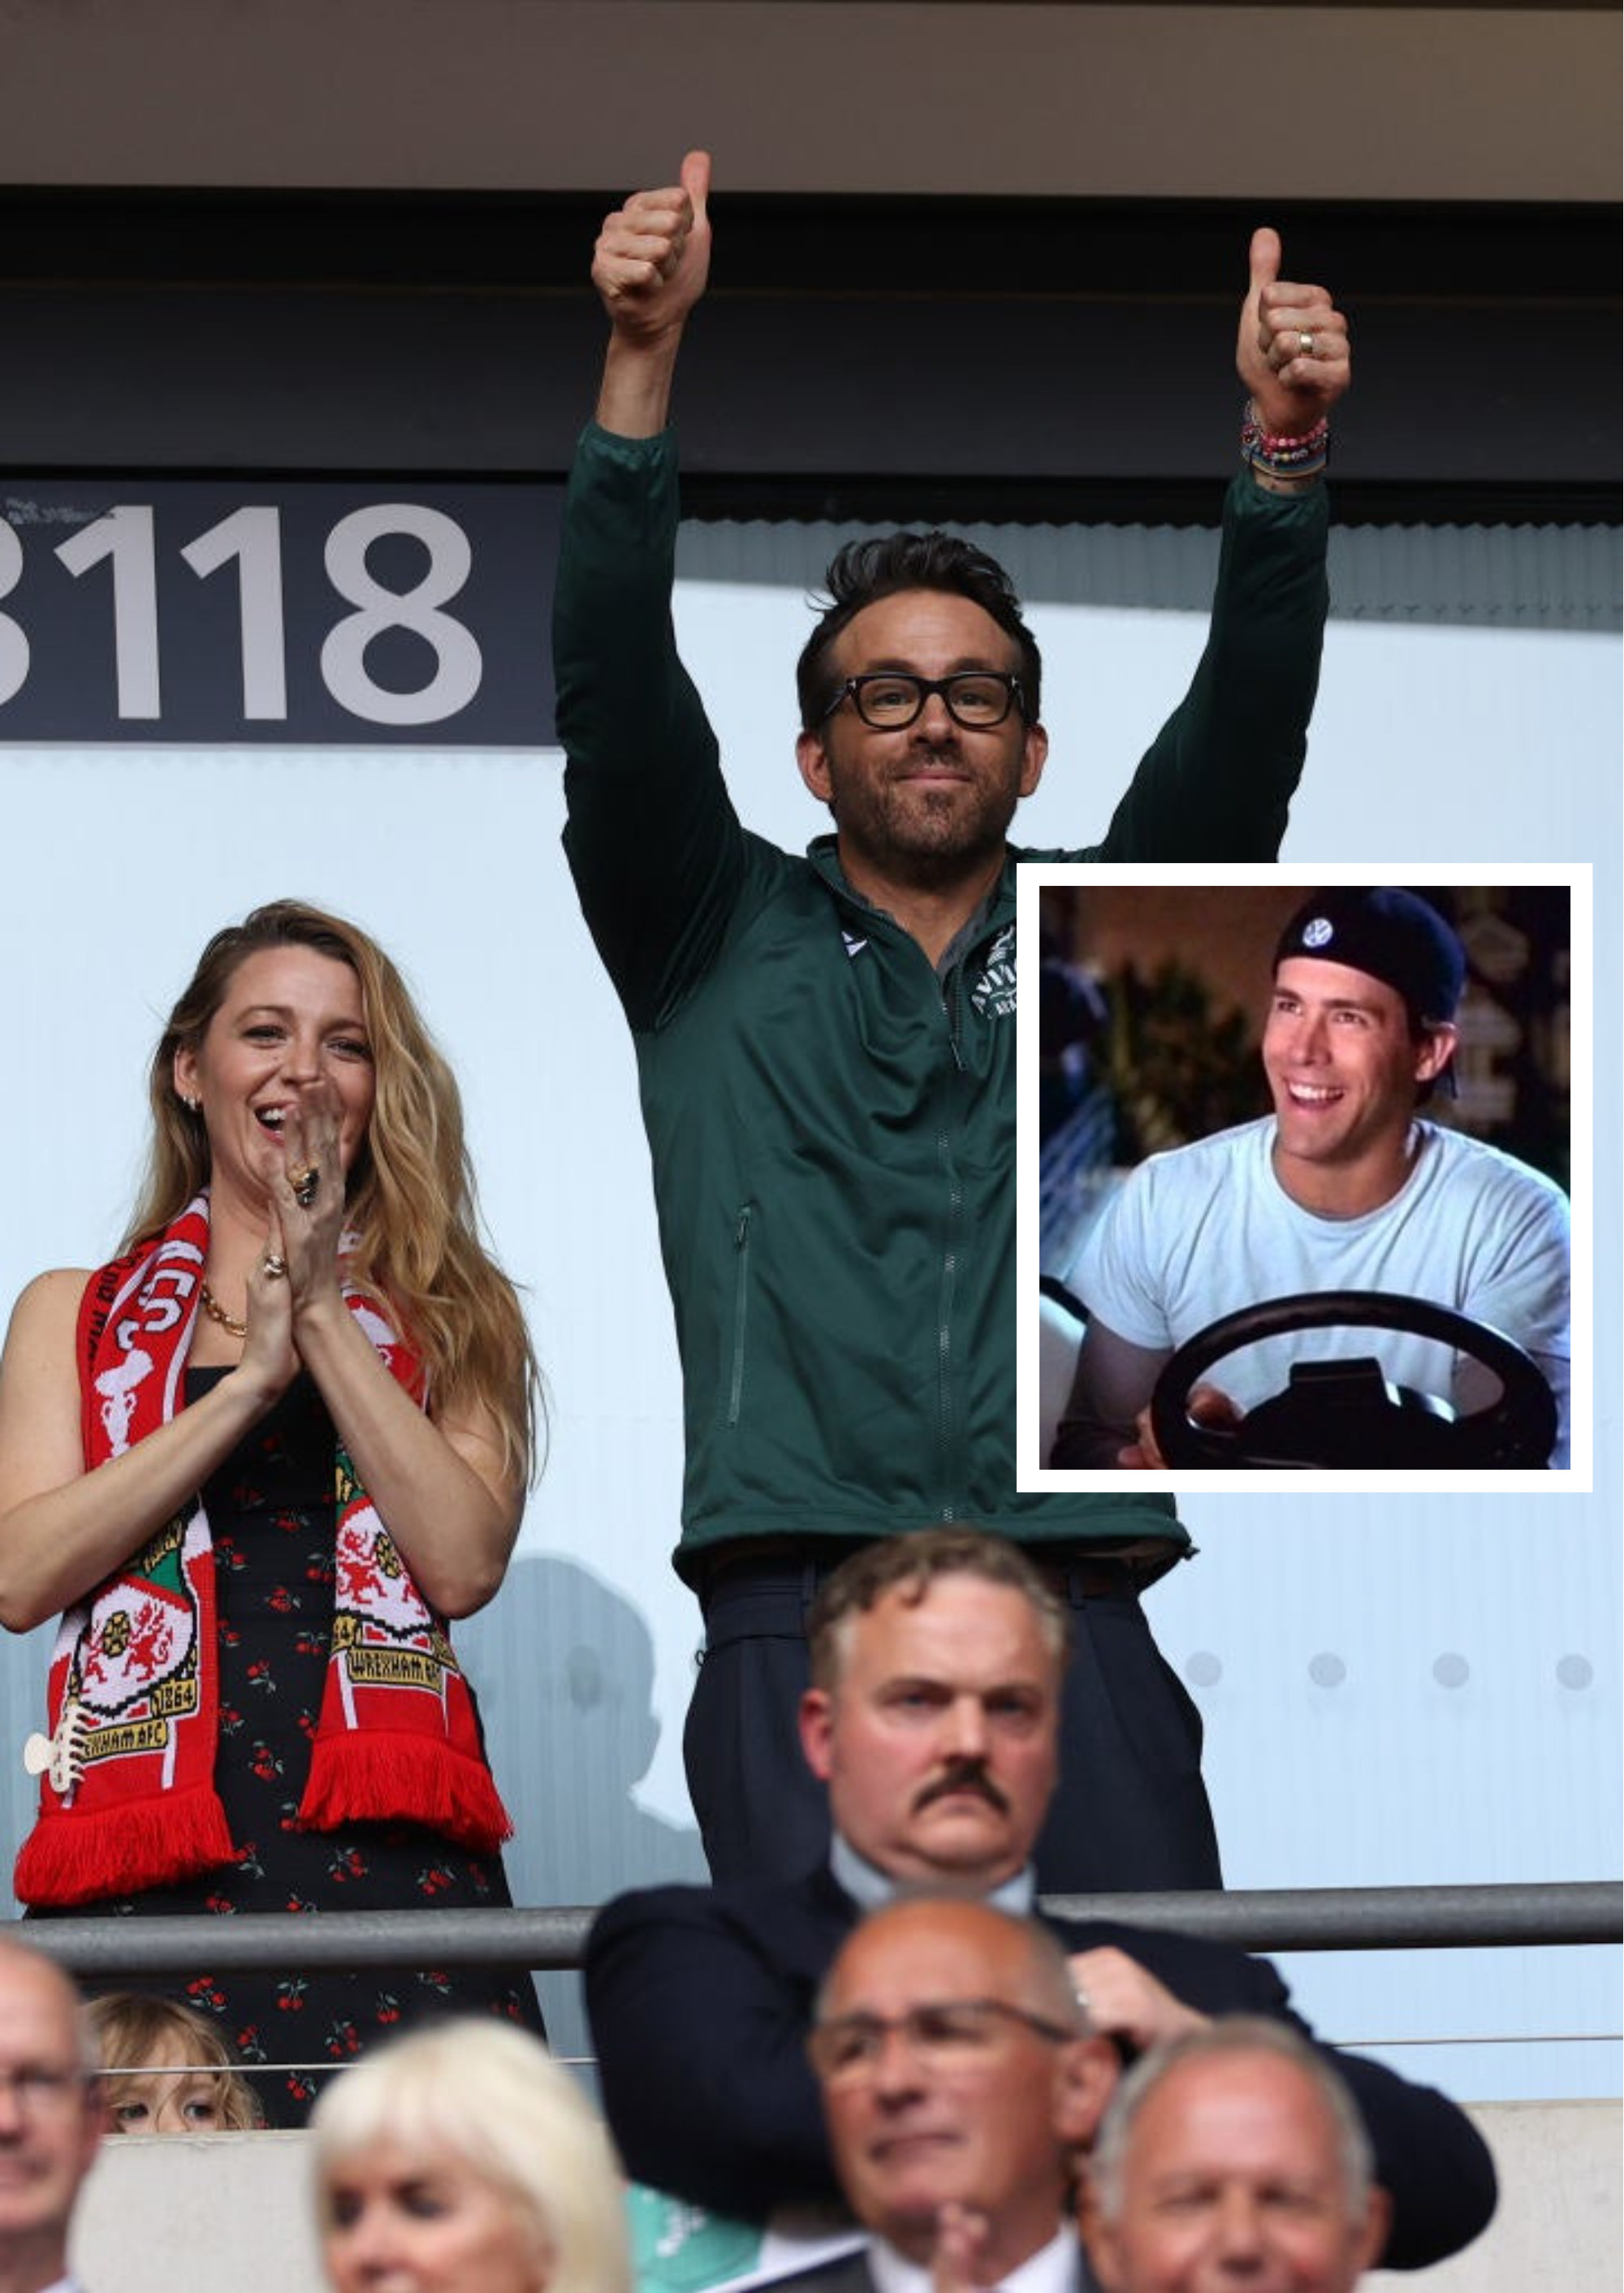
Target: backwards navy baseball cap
{"x": 1391, "y": 934}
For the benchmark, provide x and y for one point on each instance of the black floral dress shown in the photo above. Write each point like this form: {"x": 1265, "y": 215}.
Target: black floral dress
{"x": 271, "y": 1509}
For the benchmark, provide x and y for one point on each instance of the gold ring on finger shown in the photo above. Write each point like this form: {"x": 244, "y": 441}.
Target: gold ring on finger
{"x": 305, "y": 1184}
{"x": 1305, "y": 343}
{"x": 273, "y": 1266}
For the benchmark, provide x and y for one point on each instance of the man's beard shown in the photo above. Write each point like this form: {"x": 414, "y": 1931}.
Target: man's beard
{"x": 926, "y": 833}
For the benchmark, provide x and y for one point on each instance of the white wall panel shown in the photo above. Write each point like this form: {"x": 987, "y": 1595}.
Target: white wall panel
{"x": 1458, "y": 742}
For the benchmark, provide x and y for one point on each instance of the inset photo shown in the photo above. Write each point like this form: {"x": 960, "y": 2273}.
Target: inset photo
{"x": 1303, "y": 1155}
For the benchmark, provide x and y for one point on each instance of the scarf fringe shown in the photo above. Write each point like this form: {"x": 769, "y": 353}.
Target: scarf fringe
{"x": 85, "y": 1858}
{"x": 379, "y": 1776}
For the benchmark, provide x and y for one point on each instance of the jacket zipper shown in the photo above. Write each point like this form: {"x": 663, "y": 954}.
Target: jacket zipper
{"x": 740, "y": 1299}
{"x": 949, "y": 1417}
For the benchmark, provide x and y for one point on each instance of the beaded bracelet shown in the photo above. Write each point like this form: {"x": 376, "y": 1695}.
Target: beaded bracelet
{"x": 1281, "y": 457}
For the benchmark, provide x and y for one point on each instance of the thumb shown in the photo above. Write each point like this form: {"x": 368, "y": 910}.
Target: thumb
{"x": 1208, "y": 1405}
{"x": 1265, "y": 258}
{"x": 696, "y": 181}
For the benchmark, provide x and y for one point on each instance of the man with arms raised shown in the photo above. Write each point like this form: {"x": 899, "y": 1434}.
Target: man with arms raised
{"x": 936, "y": 1661}
{"x": 826, "y": 1043}
{"x": 1233, "y": 2157}
{"x": 50, "y": 2120}
{"x": 1345, "y": 1187}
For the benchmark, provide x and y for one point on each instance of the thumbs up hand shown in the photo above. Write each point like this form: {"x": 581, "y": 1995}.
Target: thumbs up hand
{"x": 1292, "y": 352}
{"x": 653, "y": 256}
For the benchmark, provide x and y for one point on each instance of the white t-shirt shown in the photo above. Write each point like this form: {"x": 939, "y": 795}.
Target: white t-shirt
{"x": 1207, "y": 1230}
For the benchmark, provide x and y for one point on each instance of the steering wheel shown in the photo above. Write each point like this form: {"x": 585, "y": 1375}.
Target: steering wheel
{"x": 1350, "y": 1413}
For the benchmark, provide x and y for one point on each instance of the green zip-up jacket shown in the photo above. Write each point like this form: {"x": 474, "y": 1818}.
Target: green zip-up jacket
{"x": 831, "y": 1127}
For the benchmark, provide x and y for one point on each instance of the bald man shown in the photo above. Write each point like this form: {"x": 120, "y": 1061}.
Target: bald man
{"x": 958, "y": 2077}
{"x": 50, "y": 2120}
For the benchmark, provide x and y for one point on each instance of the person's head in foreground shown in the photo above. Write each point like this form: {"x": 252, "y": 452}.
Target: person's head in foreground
{"x": 958, "y": 2078}
{"x": 463, "y": 2159}
{"x": 1231, "y": 2158}
{"x": 937, "y": 1660}
{"x": 166, "y": 2069}
{"x": 50, "y": 2115}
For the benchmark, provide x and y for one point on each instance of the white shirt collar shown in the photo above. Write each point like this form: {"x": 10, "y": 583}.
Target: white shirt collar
{"x": 1052, "y": 2270}
{"x": 869, "y": 1886}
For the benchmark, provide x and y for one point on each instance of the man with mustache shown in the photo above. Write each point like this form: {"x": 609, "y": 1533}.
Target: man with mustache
{"x": 825, "y": 1043}
{"x": 936, "y": 1662}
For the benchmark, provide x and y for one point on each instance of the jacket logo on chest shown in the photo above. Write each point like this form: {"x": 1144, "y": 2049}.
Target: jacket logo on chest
{"x": 993, "y": 994}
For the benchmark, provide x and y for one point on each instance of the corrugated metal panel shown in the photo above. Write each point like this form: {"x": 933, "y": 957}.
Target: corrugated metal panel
{"x": 1552, "y": 576}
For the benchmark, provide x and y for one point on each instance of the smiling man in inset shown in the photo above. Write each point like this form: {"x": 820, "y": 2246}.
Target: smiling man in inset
{"x": 1344, "y": 1188}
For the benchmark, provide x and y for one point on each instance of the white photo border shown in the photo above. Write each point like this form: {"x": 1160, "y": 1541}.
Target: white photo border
{"x": 1034, "y": 877}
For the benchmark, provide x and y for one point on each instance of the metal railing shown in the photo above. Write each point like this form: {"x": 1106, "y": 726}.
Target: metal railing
{"x": 1285, "y": 1918}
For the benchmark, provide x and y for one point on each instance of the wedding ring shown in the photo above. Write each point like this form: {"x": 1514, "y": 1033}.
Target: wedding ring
{"x": 273, "y": 1266}
{"x": 305, "y": 1184}
{"x": 1305, "y": 343}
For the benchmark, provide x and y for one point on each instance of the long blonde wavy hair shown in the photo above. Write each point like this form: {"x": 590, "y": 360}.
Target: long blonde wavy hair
{"x": 410, "y": 1197}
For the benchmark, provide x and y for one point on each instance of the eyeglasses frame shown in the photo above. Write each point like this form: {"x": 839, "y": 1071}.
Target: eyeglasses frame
{"x": 850, "y": 689}
{"x": 906, "y": 2026}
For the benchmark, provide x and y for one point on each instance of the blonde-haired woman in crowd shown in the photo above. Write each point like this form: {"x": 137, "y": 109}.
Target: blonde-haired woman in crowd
{"x": 462, "y": 2158}
{"x": 258, "y": 1460}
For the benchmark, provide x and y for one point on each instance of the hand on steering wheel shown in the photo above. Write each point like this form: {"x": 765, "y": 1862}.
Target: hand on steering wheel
{"x": 1347, "y": 1413}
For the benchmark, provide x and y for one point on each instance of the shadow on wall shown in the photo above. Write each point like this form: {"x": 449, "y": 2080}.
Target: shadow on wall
{"x": 564, "y": 1668}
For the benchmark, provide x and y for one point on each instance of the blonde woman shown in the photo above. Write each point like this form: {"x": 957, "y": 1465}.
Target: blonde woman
{"x": 257, "y": 1461}
{"x": 463, "y": 2159}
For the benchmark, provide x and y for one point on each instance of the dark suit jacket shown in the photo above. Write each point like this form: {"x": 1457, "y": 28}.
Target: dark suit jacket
{"x": 701, "y": 1998}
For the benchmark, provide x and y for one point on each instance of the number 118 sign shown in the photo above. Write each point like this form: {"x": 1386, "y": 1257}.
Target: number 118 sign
{"x": 220, "y": 611}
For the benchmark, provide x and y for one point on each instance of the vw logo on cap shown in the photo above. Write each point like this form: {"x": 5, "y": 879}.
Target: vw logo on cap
{"x": 1318, "y": 931}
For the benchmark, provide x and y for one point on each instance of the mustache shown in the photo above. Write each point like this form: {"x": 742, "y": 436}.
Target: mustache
{"x": 962, "y": 1776}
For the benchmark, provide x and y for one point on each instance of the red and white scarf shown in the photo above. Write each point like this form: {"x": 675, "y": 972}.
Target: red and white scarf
{"x": 129, "y": 1801}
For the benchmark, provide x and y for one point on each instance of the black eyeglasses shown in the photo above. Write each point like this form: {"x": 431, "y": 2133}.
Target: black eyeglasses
{"x": 891, "y": 698}
{"x": 947, "y": 2033}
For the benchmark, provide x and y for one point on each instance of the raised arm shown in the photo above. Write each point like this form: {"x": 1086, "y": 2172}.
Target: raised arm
{"x": 1217, "y": 781}
{"x": 653, "y": 841}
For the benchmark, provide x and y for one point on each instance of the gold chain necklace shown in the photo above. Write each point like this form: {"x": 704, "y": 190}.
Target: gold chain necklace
{"x": 216, "y": 1313}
